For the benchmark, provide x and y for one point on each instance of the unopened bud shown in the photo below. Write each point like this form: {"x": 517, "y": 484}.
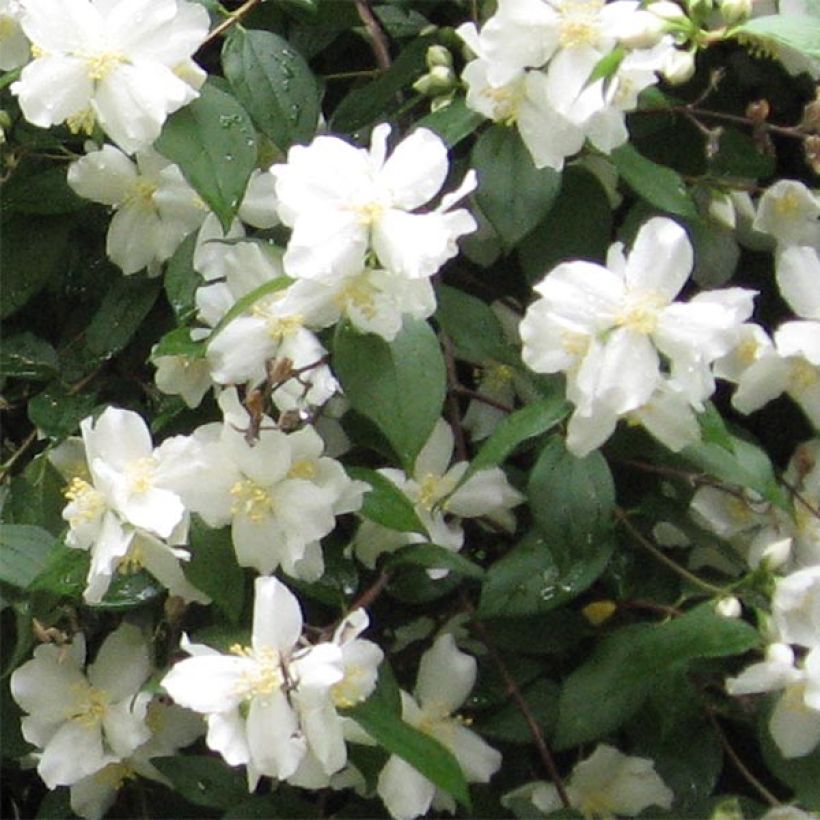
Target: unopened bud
{"x": 729, "y": 607}
{"x": 679, "y": 66}
{"x": 722, "y": 210}
{"x": 439, "y": 80}
{"x": 640, "y": 29}
{"x": 599, "y": 611}
{"x": 812, "y": 148}
{"x": 667, "y": 10}
{"x": 776, "y": 553}
{"x": 5, "y": 120}
{"x": 439, "y": 56}
{"x": 700, "y": 8}
{"x": 734, "y": 11}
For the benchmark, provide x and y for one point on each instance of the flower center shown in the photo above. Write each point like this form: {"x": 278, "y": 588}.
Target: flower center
{"x": 640, "y": 312}
{"x": 358, "y": 294}
{"x": 433, "y": 488}
{"x": 303, "y": 468}
{"x": 102, "y": 64}
{"x": 370, "y": 213}
{"x": 82, "y": 122}
{"x": 746, "y": 351}
{"x": 576, "y": 344}
{"x": 89, "y": 707}
{"x": 87, "y": 502}
{"x": 580, "y": 23}
{"x": 278, "y": 327}
{"x": 802, "y": 375}
{"x": 251, "y": 500}
{"x": 114, "y": 775}
{"x": 141, "y": 194}
{"x": 266, "y": 677}
{"x": 350, "y": 689}
{"x": 506, "y": 101}
{"x": 497, "y": 377}
{"x": 788, "y": 204}
{"x": 132, "y": 561}
{"x": 141, "y": 474}
{"x": 596, "y": 804}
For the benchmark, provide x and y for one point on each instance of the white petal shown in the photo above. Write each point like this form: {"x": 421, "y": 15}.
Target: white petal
{"x": 208, "y": 683}
{"x": 446, "y": 675}
{"x": 416, "y": 169}
{"x": 123, "y": 663}
{"x": 404, "y": 791}
{"x": 277, "y": 617}
{"x": 74, "y": 752}
{"x": 661, "y": 258}
{"x": 798, "y": 272}
{"x": 226, "y": 735}
{"x": 276, "y": 744}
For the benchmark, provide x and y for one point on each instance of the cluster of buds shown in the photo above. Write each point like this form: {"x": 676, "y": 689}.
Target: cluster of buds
{"x": 440, "y": 81}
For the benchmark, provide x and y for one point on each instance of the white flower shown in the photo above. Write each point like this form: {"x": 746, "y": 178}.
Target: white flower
{"x": 439, "y": 501}
{"x": 82, "y": 721}
{"x": 246, "y": 695}
{"x": 343, "y": 201}
{"x": 795, "y": 719}
{"x": 125, "y": 506}
{"x": 789, "y": 212}
{"x": 446, "y": 676}
{"x": 183, "y": 376}
{"x": 155, "y": 208}
{"x": 281, "y": 495}
{"x": 114, "y": 62}
{"x": 605, "y": 785}
{"x": 608, "y": 327}
{"x": 796, "y": 607}
{"x": 14, "y": 45}
{"x": 172, "y": 728}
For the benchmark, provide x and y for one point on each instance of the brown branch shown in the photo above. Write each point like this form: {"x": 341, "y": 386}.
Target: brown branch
{"x": 453, "y": 410}
{"x": 229, "y": 22}
{"x": 515, "y": 693}
{"x": 665, "y": 559}
{"x": 362, "y": 602}
{"x": 482, "y": 397}
{"x": 739, "y": 764}
{"x": 378, "y": 40}
{"x": 690, "y": 111}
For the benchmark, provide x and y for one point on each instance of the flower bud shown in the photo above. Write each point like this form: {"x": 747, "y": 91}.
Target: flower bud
{"x": 438, "y": 55}
{"x": 733, "y": 11}
{"x": 679, "y": 66}
{"x": 641, "y": 29}
{"x": 667, "y": 10}
{"x": 729, "y": 607}
{"x": 439, "y": 80}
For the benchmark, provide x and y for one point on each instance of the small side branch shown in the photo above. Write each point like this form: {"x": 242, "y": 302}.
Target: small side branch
{"x": 378, "y": 40}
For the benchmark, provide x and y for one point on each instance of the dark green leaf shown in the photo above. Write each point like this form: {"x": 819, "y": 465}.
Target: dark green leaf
{"x": 131, "y": 590}
{"x": 611, "y": 685}
{"x": 274, "y": 84}
{"x": 385, "y": 503}
{"x": 398, "y": 385}
{"x": 64, "y": 573}
{"x": 474, "y": 329}
{"x": 36, "y": 497}
{"x": 33, "y": 250}
{"x": 123, "y": 309}
{"x": 578, "y": 226}
{"x": 26, "y": 356}
{"x": 374, "y": 101}
{"x": 41, "y": 192}
{"x": 181, "y": 280}
{"x": 24, "y": 553}
{"x": 513, "y": 194}
{"x": 214, "y": 570}
{"x": 532, "y": 420}
{"x": 658, "y": 185}
{"x": 432, "y": 556}
{"x": 740, "y": 155}
{"x": 508, "y": 724}
{"x": 213, "y": 142}
{"x": 178, "y": 342}
{"x": 421, "y": 751}
{"x": 453, "y": 123}
{"x": 57, "y": 412}
{"x": 204, "y": 781}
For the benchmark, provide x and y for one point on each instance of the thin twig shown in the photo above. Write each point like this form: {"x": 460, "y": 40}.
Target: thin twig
{"x": 739, "y": 764}
{"x": 230, "y": 21}
{"x": 665, "y": 559}
{"x": 800, "y": 498}
{"x": 453, "y": 410}
{"x": 690, "y": 111}
{"x": 378, "y": 40}
{"x": 515, "y": 693}
{"x": 482, "y": 397}
{"x": 27, "y": 442}
{"x": 362, "y": 602}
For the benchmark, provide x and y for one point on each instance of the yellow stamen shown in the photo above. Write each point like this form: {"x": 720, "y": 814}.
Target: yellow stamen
{"x": 640, "y": 313}
{"x": 90, "y": 705}
{"x": 802, "y": 375}
{"x": 303, "y": 468}
{"x": 580, "y": 23}
{"x": 141, "y": 193}
{"x": 251, "y": 500}
{"x": 102, "y": 64}
{"x": 88, "y": 502}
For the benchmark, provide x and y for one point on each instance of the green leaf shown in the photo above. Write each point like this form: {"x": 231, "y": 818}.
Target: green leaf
{"x": 453, "y": 123}
{"x": 36, "y": 497}
{"x": 572, "y": 500}
{"x": 375, "y": 101}
{"x": 385, "y": 503}
{"x": 473, "y": 327}
{"x": 274, "y": 84}
{"x": 432, "y": 556}
{"x": 26, "y": 356}
{"x": 181, "y": 280}
{"x": 609, "y": 688}
{"x": 658, "y": 185}
{"x": 508, "y": 724}
{"x": 204, "y": 781}
{"x": 513, "y": 194}
{"x": 124, "y": 307}
{"x": 578, "y": 226}
{"x": 801, "y": 33}
{"x": 213, "y": 568}
{"x": 64, "y": 573}
{"x": 399, "y": 385}
{"x": 40, "y": 192}
{"x": 528, "y": 422}
{"x": 33, "y": 251}
{"x": 24, "y": 553}
{"x": 422, "y": 752}
{"x": 244, "y": 303}
{"x": 740, "y": 156}
{"x": 745, "y": 465}
{"x": 57, "y": 413}
{"x": 178, "y": 342}
{"x": 131, "y": 590}
{"x": 213, "y": 142}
